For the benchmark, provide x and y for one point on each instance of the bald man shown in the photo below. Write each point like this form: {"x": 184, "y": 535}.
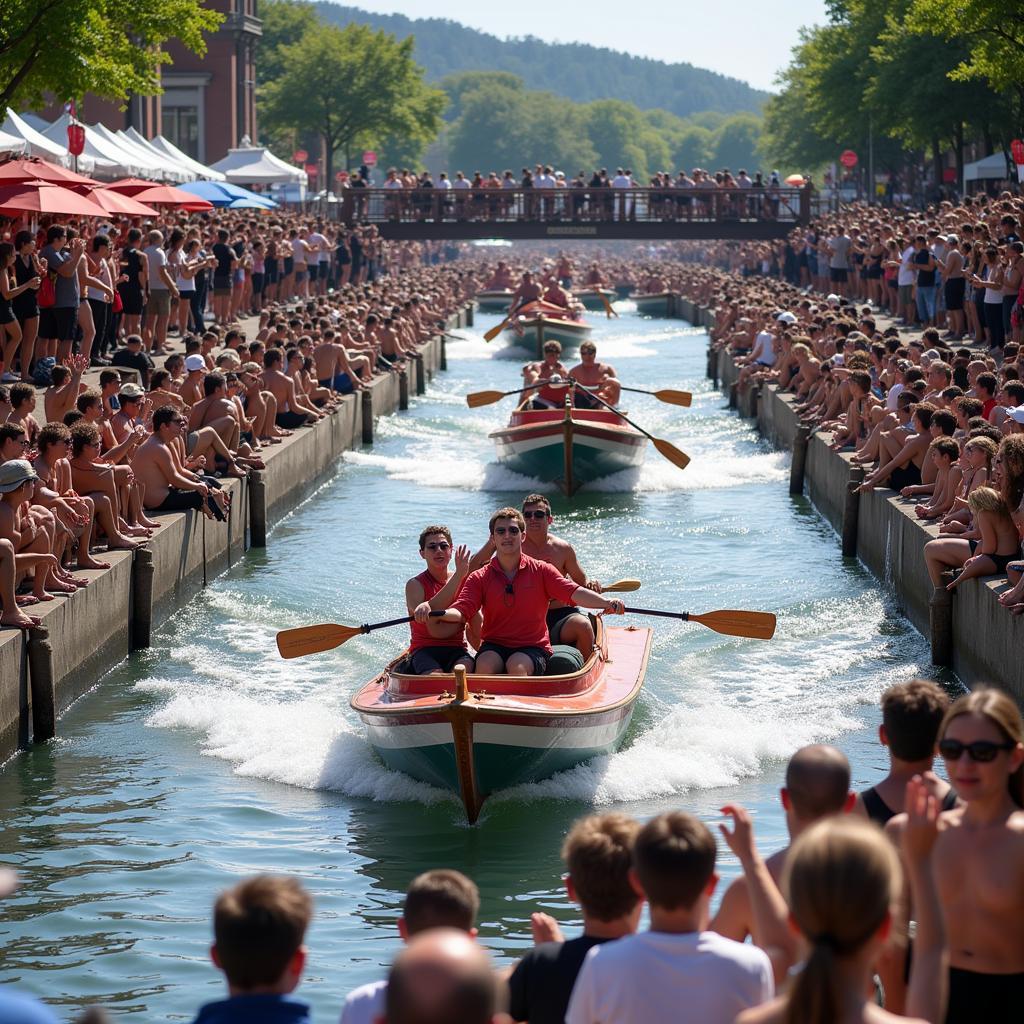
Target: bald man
{"x": 442, "y": 976}
{"x": 817, "y": 786}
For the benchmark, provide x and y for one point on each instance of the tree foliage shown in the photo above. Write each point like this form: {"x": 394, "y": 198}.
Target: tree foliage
{"x": 352, "y": 87}
{"x": 110, "y": 48}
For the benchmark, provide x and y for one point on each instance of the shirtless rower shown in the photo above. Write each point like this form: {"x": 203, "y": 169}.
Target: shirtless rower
{"x": 437, "y": 647}
{"x": 556, "y": 295}
{"x": 594, "y": 278}
{"x": 513, "y": 591}
{"x": 591, "y": 373}
{"x": 566, "y": 624}
{"x": 528, "y": 290}
{"x": 653, "y": 284}
{"x": 500, "y": 280}
{"x": 979, "y": 856}
{"x": 550, "y": 368}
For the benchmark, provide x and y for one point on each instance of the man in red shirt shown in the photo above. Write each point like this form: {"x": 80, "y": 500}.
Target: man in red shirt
{"x": 513, "y": 592}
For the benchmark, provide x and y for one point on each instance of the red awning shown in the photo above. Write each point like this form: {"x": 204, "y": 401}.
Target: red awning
{"x": 46, "y": 197}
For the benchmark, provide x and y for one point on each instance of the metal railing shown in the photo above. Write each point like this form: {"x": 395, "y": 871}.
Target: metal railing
{"x": 575, "y": 205}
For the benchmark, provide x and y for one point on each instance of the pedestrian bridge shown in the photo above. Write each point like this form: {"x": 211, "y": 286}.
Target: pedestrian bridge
{"x": 581, "y": 213}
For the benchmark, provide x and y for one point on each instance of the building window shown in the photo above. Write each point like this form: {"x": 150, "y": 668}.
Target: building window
{"x": 181, "y": 127}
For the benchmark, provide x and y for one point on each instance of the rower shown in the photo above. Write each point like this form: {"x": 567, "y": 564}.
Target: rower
{"x": 513, "y": 591}
{"x": 556, "y": 295}
{"x": 437, "y": 647}
{"x": 654, "y": 284}
{"x": 594, "y": 279}
{"x": 593, "y": 374}
{"x": 527, "y": 291}
{"x": 551, "y": 396}
{"x": 500, "y": 280}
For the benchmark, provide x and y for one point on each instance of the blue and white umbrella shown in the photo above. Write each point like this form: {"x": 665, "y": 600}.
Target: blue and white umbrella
{"x": 227, "y": 196}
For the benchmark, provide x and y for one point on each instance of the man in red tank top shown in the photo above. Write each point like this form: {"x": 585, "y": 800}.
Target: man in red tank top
{"x": 436, "y": 646}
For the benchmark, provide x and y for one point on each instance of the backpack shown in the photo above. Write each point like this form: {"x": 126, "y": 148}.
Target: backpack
{"x": 42, "y": 376}
{"x": 47, "y": 294}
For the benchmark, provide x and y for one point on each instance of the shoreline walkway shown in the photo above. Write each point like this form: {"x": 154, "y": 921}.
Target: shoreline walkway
{"x": 81, "y": 637}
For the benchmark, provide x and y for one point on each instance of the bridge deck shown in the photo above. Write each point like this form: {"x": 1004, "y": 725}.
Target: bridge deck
{"x": 577, "y": 213}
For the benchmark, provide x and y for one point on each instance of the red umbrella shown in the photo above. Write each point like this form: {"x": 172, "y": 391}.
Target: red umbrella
{"x": 168, "y": 195}
{"x": 45, "y": 197}
{"x": 129, "y": 186}
{"x": 118, "y": 203}
{"x": 40, "y": 170}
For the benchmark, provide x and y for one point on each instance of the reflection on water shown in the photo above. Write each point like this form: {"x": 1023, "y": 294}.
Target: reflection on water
{"x": 209, "y": 758}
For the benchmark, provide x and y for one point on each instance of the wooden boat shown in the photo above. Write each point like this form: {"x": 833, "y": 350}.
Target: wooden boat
{"x": 655, "y": 304}
{"x": 476, "y": 734}
{"x": 532, "y": 327}
{"x": 569, "y": 446}
{"x": 623, "y": 291}
{"x": 591, "y": 298}
{"x": 494, "y": 301}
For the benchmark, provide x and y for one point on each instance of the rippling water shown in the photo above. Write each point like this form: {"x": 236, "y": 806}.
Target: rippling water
{"x": 208, "y": 758}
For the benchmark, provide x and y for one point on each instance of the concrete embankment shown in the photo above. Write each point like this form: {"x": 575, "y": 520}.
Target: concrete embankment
{"x": 969, "y": 631}
{"x": 84, "y": 636}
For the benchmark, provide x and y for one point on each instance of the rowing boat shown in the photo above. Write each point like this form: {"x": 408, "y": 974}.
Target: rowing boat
{"x": 476, "y": 734}
{"x": 570, "y": 447}
{"x": 534, "y": 324}
{"x": 592, "y": 298}
{"x": 495, "y": 300}
{"x": 655, "y": 304}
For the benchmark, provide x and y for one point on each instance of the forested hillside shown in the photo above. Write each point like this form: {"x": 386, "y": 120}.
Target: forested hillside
{"x": 578, "y": 72}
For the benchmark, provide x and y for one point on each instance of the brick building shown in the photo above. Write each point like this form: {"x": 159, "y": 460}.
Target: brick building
{"x": 208, "y": 103}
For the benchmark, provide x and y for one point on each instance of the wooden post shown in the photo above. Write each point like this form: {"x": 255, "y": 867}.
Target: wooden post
{"x": 403, "y": 389}
{"x": 798, "y": 466}
{"x": 733, "y": 395}
{"x": 368, "y": 416}
{"x": 141, "y": 621}
{"x": 44, "y": 698}
{"x": 940, "y": 624}
{"x": 257, "y": 509}
{"x": 470, "y": 314}
{"x": 421, "y": 372}
{"x": 443, "y": 362}
{"x": 851, "y": 511}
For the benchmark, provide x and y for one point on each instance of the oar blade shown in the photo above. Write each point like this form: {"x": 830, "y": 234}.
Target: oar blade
{"x": 297, "y": 643}
{"x": 671, "y": 452}
{"x": 479, "y": 398}
{"x": 756, "y": 625}
{"x": 496, "y": 330}
{"x": 683, "y": 398}
{"x": 621, "y": 587}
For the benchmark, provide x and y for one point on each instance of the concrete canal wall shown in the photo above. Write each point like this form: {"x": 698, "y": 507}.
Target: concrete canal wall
{"x": 968, "y": 631}
{"x": 84, "y": 636}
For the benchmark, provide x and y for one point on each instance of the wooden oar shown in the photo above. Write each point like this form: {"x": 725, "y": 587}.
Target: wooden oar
{"x": 495, "y": 331}
{"x": 297, "y": 643}
{"x": 479, "y": 398}
{"x": 665, "y": 395}
{"x": 757, "y": 625}
{"x": 670, "y": 451}
{"x": 621, "y": 587}
{"x": 607, "y": 305}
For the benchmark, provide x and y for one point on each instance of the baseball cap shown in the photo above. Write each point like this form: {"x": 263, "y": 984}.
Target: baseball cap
{"x": 786, "y": 317}
{"x": 1016, "y": 413}
{"x": 195, "y": 362}
{"x": 131, "y": 390}
{"x": 15, "y": 473}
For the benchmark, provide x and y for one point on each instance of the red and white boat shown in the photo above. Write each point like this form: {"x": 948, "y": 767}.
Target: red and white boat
{"x": 475, "y": 734}
{"x": 537, "y": 322}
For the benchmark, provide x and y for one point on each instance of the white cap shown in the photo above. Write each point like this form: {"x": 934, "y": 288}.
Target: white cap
{"x": 1016, "y": 413}
{"x": 786, "y": 317}
{"x": 833, "y": 298}
{"x": 195, "y": 362}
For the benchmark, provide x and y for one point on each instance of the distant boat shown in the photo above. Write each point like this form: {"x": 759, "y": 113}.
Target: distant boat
{"x": 476, "y": 734}
{"x": 494, "y": 300}
{"x": 570, "y": 447}
{"x": 535, "y": 323}
{"x": 591, "y": 298}
{"x": 655, "y": 304}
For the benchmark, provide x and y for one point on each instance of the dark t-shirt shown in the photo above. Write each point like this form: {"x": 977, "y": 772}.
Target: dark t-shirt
{"x": 925, "y": 278}
{"x": 542, "y": 983}
{"x": 133, "y": 360}
{"x": 224, "y": 255}
{"x": 131, "y": 264}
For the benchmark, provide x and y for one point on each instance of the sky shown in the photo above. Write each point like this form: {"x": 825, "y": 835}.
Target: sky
{"x": 746, "y": 39}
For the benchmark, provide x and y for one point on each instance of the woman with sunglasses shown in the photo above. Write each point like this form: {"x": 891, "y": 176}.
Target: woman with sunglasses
{"x": 979, "y": 856}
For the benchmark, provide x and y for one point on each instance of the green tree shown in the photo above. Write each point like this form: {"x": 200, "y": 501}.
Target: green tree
{"x": 349, "y": 85}
{"x": 619, "y": 133}
{"x": 110, "y": 48}
{"x": 735, "y": 143}
{"x": 456, "y": 87}
{"x": 692, "y": 148}
{"x": 285, "y": 22}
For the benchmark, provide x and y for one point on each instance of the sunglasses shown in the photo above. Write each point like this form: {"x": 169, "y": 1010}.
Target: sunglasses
{"x": 440, "y": 546}
{"x": 510, "y": 530}
{"x": 536, "y": 514}
{"x": 981, "y": 751}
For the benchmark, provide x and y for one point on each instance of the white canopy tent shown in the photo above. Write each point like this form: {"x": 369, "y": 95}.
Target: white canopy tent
{"x": 13, "y": 144}
{"x": 991, "y": 168}
{"x": 39, "y": 145}
{"x": 171, "y": 152}
{"x": 152, "y": 167}
{"x": 256, "y": 165}
{"x": 111, "y": 161}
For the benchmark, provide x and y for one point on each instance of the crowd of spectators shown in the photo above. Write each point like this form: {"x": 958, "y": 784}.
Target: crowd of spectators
{"x": 819, "y": 932}
{"x": 89, "y": 465}
{"x": 926, "y": 393}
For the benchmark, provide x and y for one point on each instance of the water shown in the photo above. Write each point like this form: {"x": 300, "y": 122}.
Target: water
{"x": 208, "y": 758}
